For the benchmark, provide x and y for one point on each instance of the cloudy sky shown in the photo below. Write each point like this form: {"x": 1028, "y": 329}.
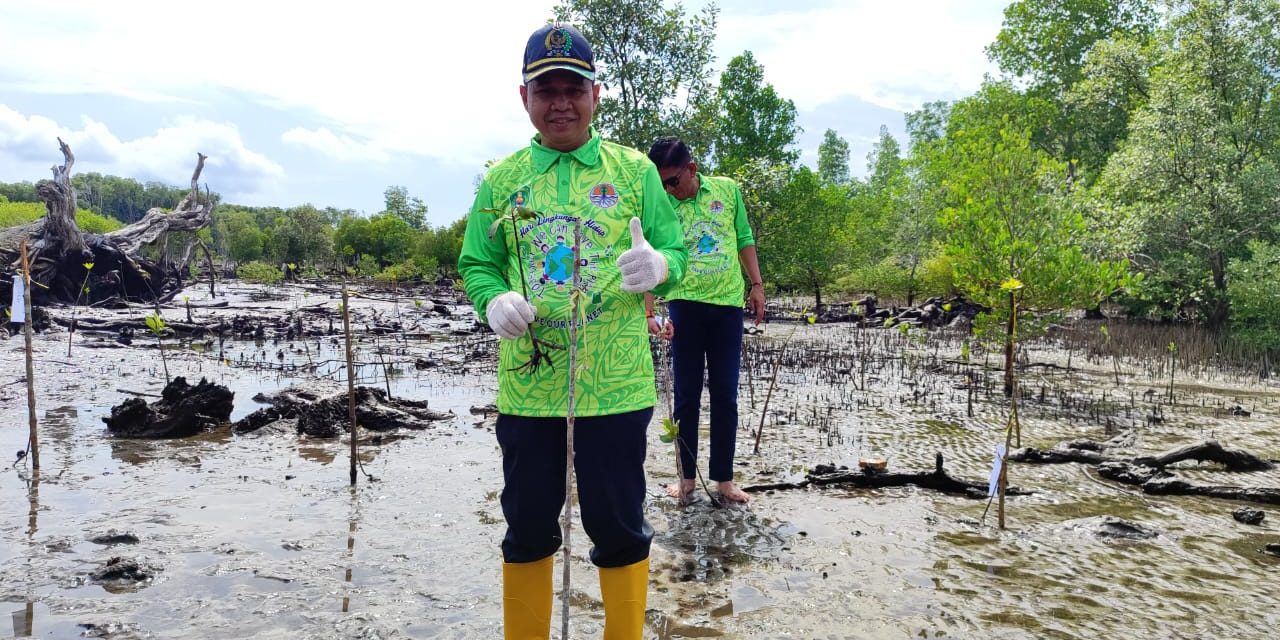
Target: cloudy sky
{"x": 331, "y": 102}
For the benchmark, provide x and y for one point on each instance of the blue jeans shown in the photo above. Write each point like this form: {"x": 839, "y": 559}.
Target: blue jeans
{"x": 707, "y": 337}
{"x": 608, "y": 464}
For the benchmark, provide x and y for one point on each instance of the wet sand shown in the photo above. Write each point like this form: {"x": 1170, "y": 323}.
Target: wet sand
{"x": 260, "y": 535}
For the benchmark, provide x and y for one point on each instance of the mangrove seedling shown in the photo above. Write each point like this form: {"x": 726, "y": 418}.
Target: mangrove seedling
{"x": 84, "y": 289}
{"x": 157, "y": 325}
{"x": 539, "y": 355}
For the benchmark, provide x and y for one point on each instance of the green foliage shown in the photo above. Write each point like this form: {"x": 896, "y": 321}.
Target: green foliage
{"x": 884, "y": 279}
{"x": 654, "y": 63}
{"x": 259, "y": 272}
{"x": 1045, "y": 44}
{"x": 1010, "y": 220}
{"x": 754, "y": 122}
{"x": 406, "y": 271}
{"x": 1198, "y": 177}
{"x": 833, "y": 158}
{"x": 156, "y": 324}
{"x": 938, "y": 276}
{"x": 244, "y": 239}
{"x": 803, "y": 244}
{"x": 1255, "y": 295}
{"x": 367, "y": 266}
{"x": 302, "y": 233}
{"x": 13, "y": 214}
{"x": 408, "y": 208}
{"x": 669, "y": 431}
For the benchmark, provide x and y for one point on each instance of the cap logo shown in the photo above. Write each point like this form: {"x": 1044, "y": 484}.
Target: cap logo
{"x": 558, "y": 42}
{"x": 603, "y": 195}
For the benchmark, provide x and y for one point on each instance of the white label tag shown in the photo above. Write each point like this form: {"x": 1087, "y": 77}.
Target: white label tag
{"x": 18, "y": 308}
{"x": 994, "y": 482}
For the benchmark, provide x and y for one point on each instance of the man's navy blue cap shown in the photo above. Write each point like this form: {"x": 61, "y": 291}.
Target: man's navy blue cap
{"x": 558, "y": 46}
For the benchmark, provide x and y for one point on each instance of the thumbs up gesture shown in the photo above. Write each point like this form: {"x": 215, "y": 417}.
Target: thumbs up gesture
{"x": 642, "y": 267}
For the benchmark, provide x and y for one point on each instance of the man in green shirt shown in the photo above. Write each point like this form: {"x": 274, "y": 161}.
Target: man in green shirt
{"x": 520, "y": 276}
{"x": 706, "y": 311}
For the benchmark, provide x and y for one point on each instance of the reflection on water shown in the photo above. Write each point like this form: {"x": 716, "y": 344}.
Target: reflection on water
{"x": 352, "y": 520}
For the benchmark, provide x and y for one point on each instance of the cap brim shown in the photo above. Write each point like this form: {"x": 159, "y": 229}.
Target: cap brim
{"x": 590, "y": 75}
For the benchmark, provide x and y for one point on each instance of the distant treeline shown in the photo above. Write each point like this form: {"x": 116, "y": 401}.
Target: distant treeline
{"x": 395, "y": 243}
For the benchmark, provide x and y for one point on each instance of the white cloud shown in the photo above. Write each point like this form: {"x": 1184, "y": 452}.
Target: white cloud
{"x": 338, "y": 147}
{"x": 436, "y": 82}
{"x": 167, "y": 155}
{"x": 896, "y": 55}
{"x": 437, "y": 79}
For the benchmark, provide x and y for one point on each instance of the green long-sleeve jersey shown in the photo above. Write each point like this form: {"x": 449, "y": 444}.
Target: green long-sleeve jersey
{"x": 715, "y": 230}
{"x": 598, "y": 187}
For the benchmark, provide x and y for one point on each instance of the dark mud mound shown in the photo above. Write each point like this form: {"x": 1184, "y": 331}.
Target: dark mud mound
{"x": 182, "y": 411}
{"x": 121, "y": 575}
{"x": 328, "y": 417}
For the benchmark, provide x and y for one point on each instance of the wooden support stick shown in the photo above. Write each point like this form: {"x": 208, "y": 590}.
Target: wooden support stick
{"x": 351, "y": 382}
{"x": 33, "y": 440}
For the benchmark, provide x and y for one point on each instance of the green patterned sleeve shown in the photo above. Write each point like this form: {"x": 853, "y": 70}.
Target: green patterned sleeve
{"x": 482, "y": 260}
{"x": 740, "y": 224}
{"x": 663, "y": 231}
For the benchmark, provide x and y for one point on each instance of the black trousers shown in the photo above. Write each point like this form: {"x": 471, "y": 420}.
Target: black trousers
{"x": 708, "y": 338}
{"x": 609, "y": 453}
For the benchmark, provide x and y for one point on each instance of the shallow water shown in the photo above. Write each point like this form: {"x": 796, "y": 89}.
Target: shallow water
{"x": 260, "y": 535}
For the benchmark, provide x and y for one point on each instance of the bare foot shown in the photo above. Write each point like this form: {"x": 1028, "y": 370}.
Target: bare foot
{"x": 730, "y": 491}
{"x": 681, "y": 490}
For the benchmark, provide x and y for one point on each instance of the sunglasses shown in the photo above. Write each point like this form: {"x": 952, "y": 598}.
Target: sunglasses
{"x": 672, "y": 182}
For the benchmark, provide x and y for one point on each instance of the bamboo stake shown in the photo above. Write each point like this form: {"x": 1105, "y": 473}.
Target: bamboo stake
{"x": 575, "y": 299}
{"x": 1013, "y": 426}
{"x": 33, "y": 440}
{"x": 351, "y": 382}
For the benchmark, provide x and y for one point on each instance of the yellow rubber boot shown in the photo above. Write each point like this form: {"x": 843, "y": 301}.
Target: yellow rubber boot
{"x": 625, "y": 590}
{"x": 526, "y": 599}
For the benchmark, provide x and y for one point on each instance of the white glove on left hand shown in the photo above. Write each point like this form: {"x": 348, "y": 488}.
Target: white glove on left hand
{"x": 642, "y": 267}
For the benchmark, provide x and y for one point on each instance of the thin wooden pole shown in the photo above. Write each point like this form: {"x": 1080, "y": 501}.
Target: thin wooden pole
{"x": 33, "y": 439}
{"x": 575, "y": 299}
{"x": 1014, "y": 426}
{"x": 351, "y": 382}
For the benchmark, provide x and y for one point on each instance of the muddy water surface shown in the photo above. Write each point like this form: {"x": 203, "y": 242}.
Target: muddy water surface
{"x": 260, "y": 535}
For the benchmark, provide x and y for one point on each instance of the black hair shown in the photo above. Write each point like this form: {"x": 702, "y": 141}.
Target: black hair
{"x": 670, "y": 151}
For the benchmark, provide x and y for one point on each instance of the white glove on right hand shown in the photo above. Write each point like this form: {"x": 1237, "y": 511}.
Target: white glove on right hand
{"x": 642, "y": 267}
{"x": 509, "y": 315}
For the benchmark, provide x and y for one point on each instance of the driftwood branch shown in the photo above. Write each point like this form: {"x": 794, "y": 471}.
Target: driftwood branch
{"x": 61, "y": 251}
{"x": 190, "y": 215}
{"x": 1208, "y": 451}
{"x": 1091, "y": 453}
{"x": 1150, "y": 474}
{"x": 1158, "y": 482}
{"x": 937, "y": 479}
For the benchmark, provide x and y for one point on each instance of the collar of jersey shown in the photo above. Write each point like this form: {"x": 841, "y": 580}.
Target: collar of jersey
{"x": 543, "y": 157}
{"x": 703, "y": 187}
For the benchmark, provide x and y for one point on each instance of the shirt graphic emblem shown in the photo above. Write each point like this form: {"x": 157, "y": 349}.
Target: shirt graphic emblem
{"x": 550, "y": 265}
{"x": 706, "y": 249}
{"x": 603, "y": 195}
